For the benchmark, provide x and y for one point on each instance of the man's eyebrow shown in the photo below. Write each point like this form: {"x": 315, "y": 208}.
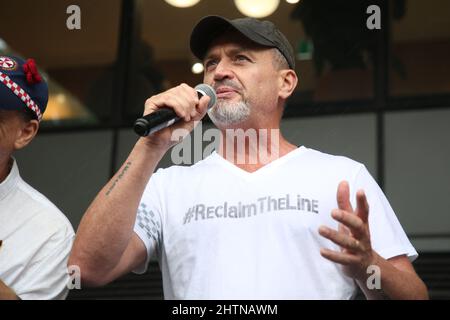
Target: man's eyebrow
{"x": 209, "y": 56}
{"x": 238, "y": 49}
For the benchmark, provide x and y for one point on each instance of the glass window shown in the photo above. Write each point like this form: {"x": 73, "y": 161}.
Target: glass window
{"x": 334, "y": 48}
{"x": 420, "y": 62}
{"x": 77, "y": 63}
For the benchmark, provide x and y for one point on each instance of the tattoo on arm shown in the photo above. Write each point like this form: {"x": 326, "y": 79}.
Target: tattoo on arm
{"x": 120, "y": 176}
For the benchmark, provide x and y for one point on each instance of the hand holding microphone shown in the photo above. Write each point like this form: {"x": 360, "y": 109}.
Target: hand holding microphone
{"x": 169, "y": 107}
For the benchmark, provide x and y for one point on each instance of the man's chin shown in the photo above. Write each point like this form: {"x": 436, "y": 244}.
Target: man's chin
{"x": 227, "y": 122}
{"x": 229, "y": 114}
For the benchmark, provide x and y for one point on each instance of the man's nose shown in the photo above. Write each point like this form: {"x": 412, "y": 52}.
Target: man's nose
{"x": 222, "y": 71}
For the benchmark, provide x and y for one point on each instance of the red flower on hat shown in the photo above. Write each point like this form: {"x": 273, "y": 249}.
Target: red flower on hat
{"x": 31, "y": 72}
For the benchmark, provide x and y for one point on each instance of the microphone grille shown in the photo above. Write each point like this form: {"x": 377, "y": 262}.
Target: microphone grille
{"x": 205, "y": 89}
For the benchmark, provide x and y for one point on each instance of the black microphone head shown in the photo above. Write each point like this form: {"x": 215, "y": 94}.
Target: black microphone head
{"x": 141, "y": 127}
{"x": 207, "y": 90}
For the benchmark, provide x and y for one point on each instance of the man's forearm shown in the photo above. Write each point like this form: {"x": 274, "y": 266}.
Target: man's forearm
{"x": 107, "y": 226}
{"x": 394, "y": 283}
{"x": 6, "y": 293}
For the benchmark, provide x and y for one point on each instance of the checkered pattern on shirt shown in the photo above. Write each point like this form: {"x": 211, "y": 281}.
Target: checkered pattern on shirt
{"x": 147, "y": 220}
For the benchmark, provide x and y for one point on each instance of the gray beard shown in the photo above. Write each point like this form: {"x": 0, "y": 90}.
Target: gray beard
{"x": 225, "y": 113}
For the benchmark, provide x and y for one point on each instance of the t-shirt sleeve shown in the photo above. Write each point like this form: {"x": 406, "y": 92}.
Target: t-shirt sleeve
{"x": 387, "y": 235}
{"x": 148, "y": 224}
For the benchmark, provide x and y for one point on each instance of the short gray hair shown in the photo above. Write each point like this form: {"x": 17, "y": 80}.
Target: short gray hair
{"x": 279, "y": 61}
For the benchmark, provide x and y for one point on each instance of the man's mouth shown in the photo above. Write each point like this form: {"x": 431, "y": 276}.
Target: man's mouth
{"x": 225, "y": 92}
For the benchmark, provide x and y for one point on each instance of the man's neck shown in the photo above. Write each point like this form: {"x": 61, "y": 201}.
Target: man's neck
{"x": 5, "y": 168}
{"x": 250, "y": 149}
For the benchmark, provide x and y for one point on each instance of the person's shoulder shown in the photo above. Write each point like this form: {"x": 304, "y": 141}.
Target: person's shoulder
{"x": 323, "y": 158}
{"x": 43, "y": 212}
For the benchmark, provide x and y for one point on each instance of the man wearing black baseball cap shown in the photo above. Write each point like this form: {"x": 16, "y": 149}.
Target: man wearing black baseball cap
{"x": 35, "y": 237}
{"x": 263, "y": 33}
{"x": 260, "y": 218}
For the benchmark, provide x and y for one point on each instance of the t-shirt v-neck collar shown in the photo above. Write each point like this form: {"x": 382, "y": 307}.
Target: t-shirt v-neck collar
{"x": 249, "y": 175}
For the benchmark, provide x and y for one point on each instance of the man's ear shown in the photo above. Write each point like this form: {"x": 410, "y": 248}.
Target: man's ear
{"x": 288, "y": 82}
{"x": 27, "y": 132}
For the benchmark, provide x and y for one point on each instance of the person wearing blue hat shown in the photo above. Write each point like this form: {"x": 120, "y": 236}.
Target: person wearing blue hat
{"x": 35, "y": 236}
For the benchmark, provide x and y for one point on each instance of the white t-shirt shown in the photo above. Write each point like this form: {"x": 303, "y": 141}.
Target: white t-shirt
{"x": 220, "y": 232}
{"x": 37, "y": 239}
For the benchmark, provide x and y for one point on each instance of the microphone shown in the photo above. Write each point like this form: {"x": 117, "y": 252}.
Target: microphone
{"x": 164, "y": 117}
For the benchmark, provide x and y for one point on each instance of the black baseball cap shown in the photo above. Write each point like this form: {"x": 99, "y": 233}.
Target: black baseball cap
{"x": 264, "y": 33}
